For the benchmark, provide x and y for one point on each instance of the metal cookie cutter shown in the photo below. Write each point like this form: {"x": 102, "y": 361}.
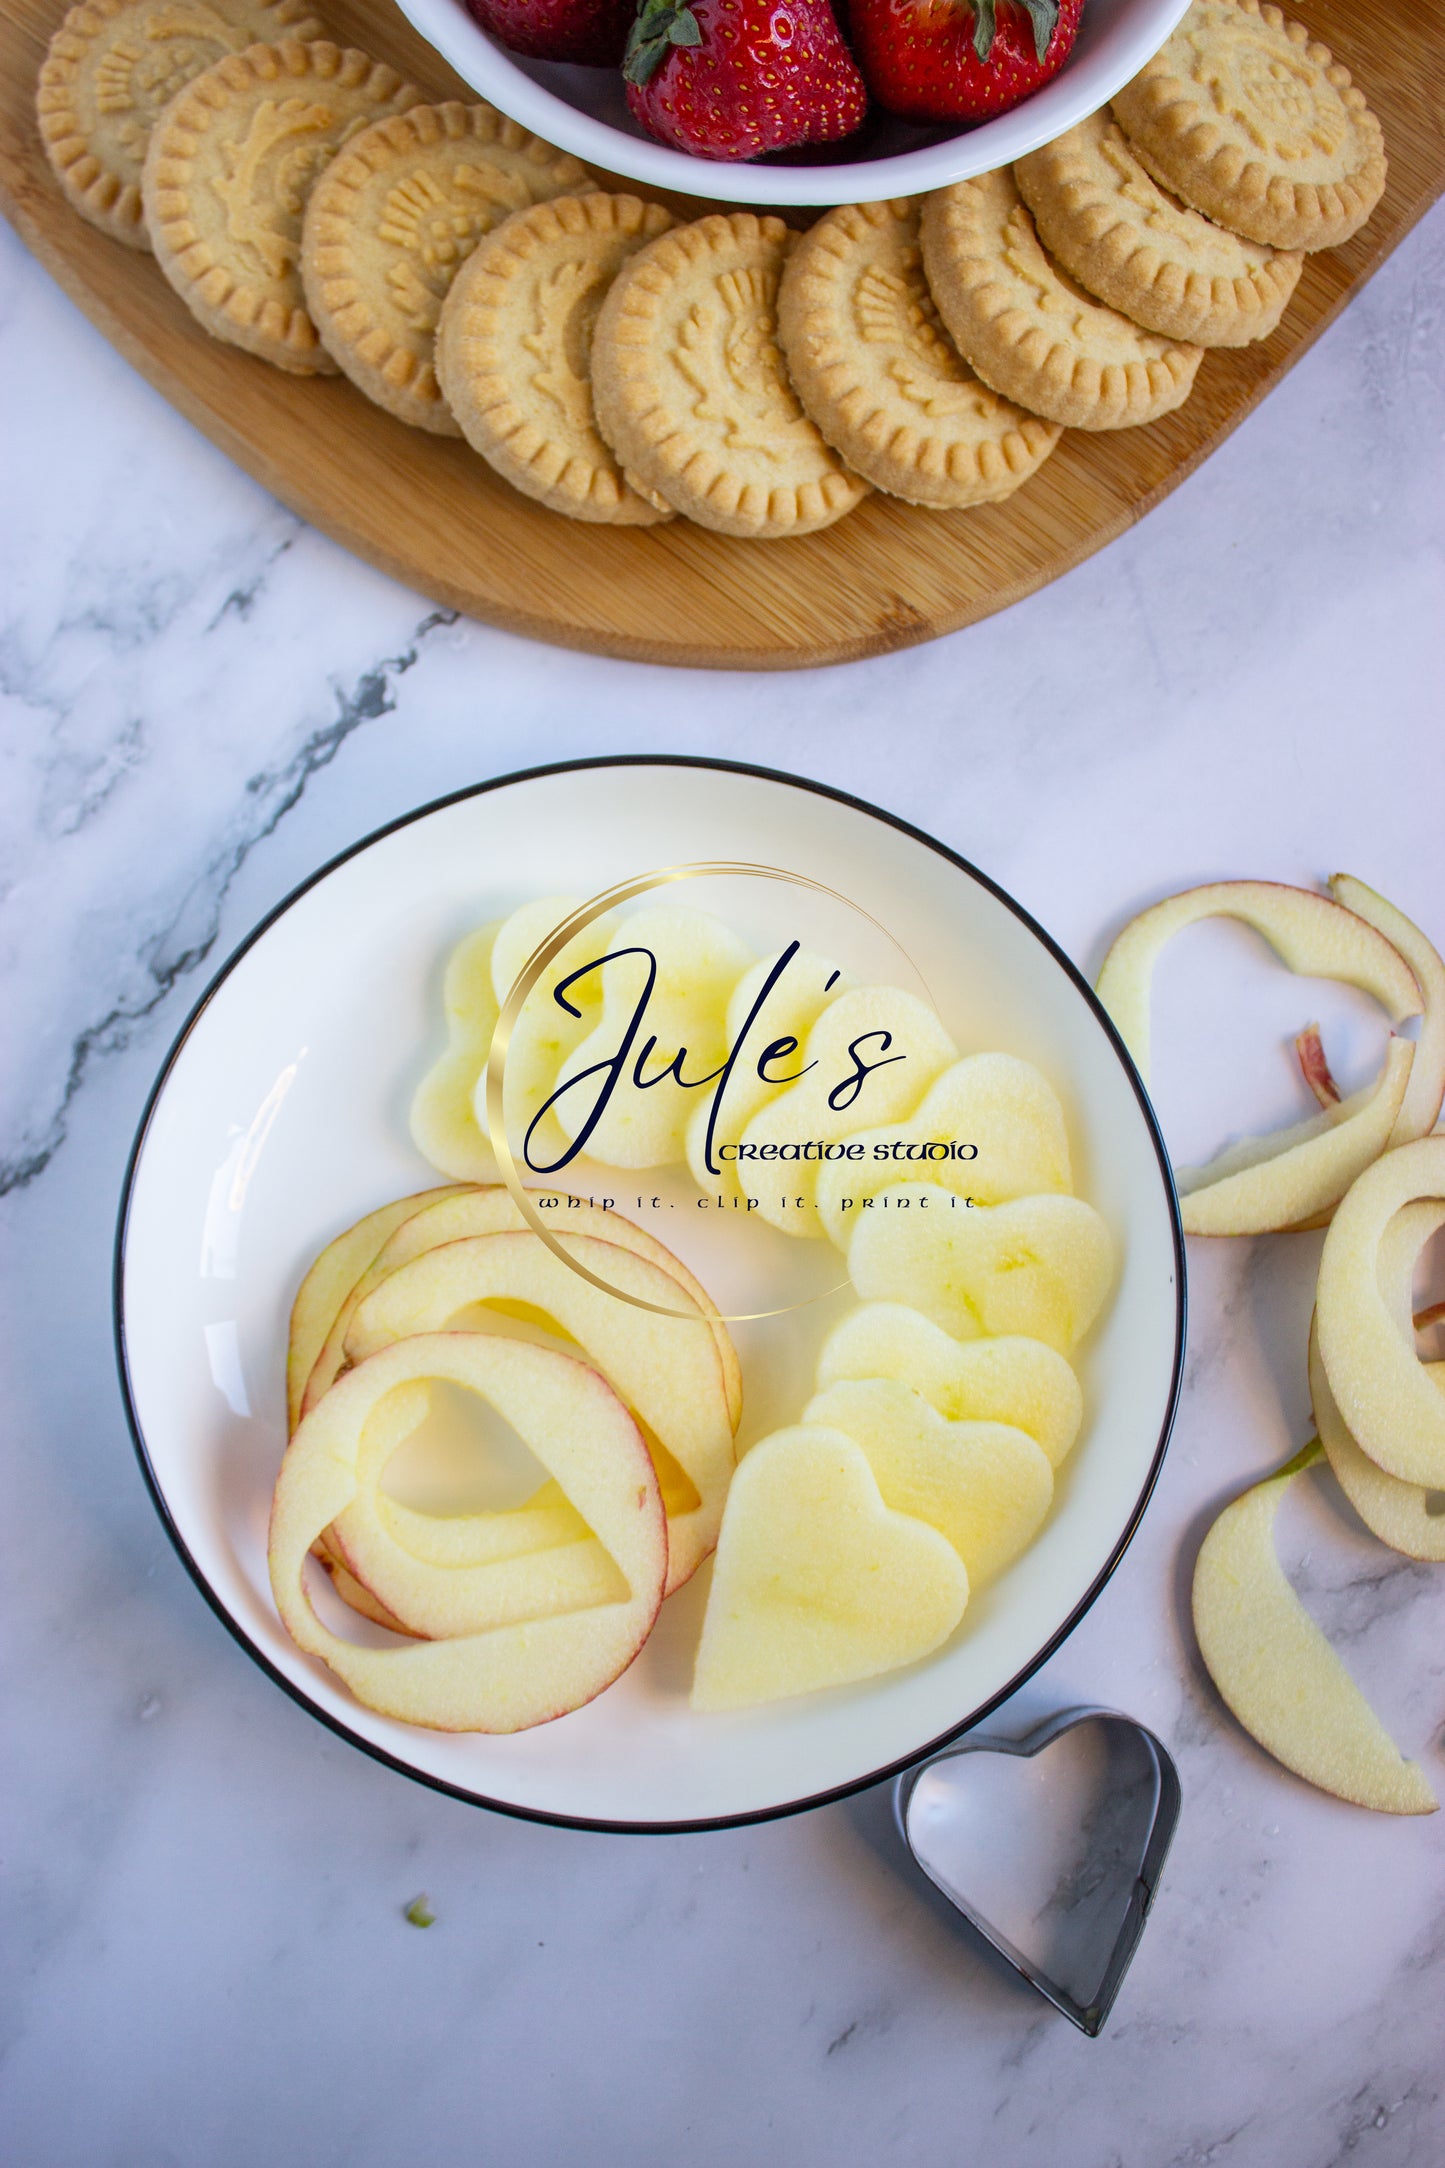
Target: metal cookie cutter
{"x": 1128, "y": 1830}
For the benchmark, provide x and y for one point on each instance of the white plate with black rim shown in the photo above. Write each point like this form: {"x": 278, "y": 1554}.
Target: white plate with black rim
{"x": 279, "y": 1118}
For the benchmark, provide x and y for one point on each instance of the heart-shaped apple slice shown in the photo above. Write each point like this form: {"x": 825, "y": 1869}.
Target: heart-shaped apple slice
{"x": 1004, "y": 1379}
{"x": 985, "y": 1486}
{"x": 816, "y": 1581}
{"x": 512, "y": 1676}
{"x": 1005, "y": 1108}
{"x": 1040, "y": 1266}
{"x": 1278, "y": 1673}
{"x": 869, "y": 1059}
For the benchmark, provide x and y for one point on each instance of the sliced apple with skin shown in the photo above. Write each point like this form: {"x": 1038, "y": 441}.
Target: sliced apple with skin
{"x": 1005, "y": 1379}
{"x": 494, "y": 1211}
{"x": 1426, "y": 1093}
{"x": 809, "y": 983}
{"x": 665, "y": 1368}
{"x": 510, "y": 1677}
{"x": 1398, "y": 1513}
{"x": 1277, "y": 1672}
{"x": 901, "y": 1046}
{"x": 331, "y": 1279}
{"x": 984, "y": 1486}
{"x": 1387, "y": 1399}
{"x": 1297, "y": 1176}
{"x": 698, "y": 962}
{"x": 1005, "y": 1107}
{"x": 817, "y": 1582}
{"x": 1039, "y": 1266}
{"x": 523, "y": 1578}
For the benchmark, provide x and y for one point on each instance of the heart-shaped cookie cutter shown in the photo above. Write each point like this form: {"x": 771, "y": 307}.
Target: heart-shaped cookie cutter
{"x": 1162, "y": 1819}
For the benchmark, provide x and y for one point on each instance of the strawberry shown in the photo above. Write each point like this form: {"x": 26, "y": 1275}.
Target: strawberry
{"x": 591, "y": 33}
{"x": 733, "y": 78}
{"x": 933, "y": 60}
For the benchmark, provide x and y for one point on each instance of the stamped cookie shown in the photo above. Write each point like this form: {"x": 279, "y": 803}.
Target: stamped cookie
{"x": 111, "y": 68}
{"x": 873, "y": 365}
{"x": 1247, "y": 117}
{"x": 692, "y": 392}
{"x": 230, "y": 165}
{"x": 1142, "y": 251}
{"x": 1030, "y": 332}
{"x": 514, "y": 351}
{"x": 388, "y": 225}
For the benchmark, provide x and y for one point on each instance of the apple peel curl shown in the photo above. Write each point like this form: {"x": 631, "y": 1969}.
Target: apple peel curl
{"x": 1296, "y": 1176}
{"x": 1278, "y": 1673}
{"x": 514, "y": 1676}
{"x": 1387, "y": 1398}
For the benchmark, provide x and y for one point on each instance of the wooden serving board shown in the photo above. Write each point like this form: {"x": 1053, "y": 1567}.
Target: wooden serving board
{"x": 431, "y": 513}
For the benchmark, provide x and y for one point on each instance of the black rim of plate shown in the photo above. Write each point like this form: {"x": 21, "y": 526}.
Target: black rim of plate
{"x": 835, "y": 1792}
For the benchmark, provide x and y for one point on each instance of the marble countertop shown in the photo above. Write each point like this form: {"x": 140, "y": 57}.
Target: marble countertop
{"x": 203, "y": 700}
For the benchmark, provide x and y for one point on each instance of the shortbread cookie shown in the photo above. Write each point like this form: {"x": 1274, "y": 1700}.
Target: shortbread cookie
{"x": 230, "y": 165}
{"x": 873, "y": 365}
{"x": 387, "y": 226}
{"x": 514, "y": 351}
{"x": 1030, "y": 332}
{"x": 113, "y": 65}
{"x": 1142, "y": 251}
{"x": 692, "y": 392}
{"x": 1247, "y": 117}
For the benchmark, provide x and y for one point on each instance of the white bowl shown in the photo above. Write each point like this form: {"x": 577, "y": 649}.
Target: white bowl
{"x": 280, "y": 1117}
{"x": 584, "y": 110}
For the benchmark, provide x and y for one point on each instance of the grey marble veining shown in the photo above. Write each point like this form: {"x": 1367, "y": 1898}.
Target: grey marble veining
{"x": 201, "y": 701}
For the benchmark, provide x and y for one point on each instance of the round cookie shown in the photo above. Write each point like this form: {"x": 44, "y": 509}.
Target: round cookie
{"x": 111, "y": 68}
{"x": 691, "y": 390}
{"x": 1030, "y": 332}
{"x": 873, "y": 365}
{"x": 1248, "y": 118}
{"x": 1150, "y": 257}
{"x": 231, "y": 162}
{"x": 388, "y": 224}
{"x": 514, "y": 348}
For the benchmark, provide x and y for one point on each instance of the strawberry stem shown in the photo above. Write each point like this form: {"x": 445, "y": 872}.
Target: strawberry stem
{"x": 1042, "y": 14}
{"x": 660, "y": 25}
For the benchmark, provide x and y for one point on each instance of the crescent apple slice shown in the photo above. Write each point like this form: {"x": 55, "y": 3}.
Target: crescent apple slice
{"x": 664, "y": 1367}
{"x": 1278, "y": 1673}
{"x": 509, "y": 1677}
{"x": 1386, "y": 1396}
{"x": 494, "y": 1211}
{"x": 1299, "y": 1174}
{"x": 329, "y": 1281}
